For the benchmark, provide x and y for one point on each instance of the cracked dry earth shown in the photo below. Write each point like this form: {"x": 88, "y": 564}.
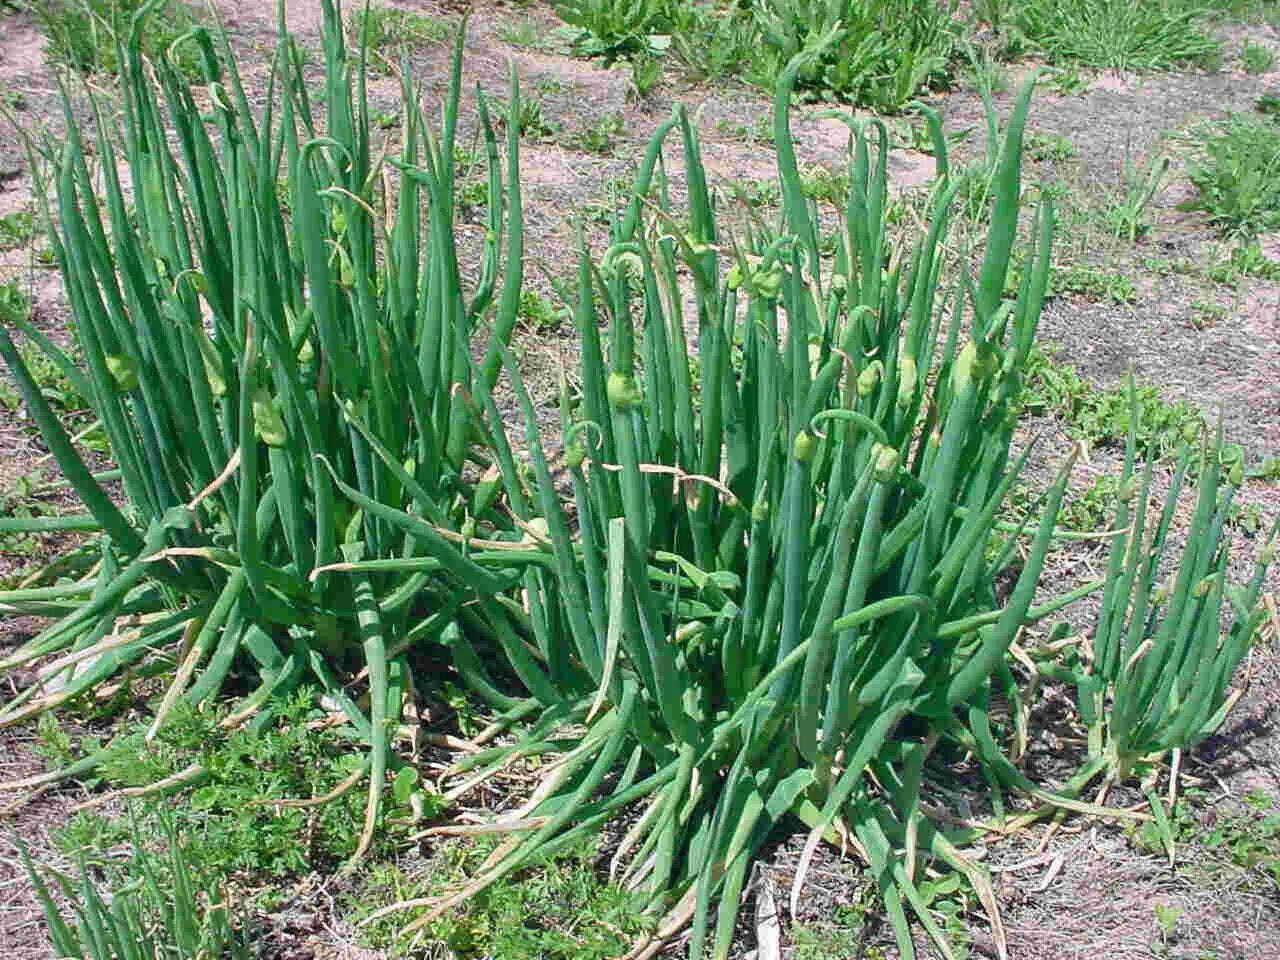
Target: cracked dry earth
{"x": 1083, "y": 891}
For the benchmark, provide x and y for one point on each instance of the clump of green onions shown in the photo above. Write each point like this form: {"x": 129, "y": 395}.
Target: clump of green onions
{"x": 277, "y": 345}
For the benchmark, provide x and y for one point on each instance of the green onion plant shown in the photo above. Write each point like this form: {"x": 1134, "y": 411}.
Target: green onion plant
{"x": 163, "y": 911}
{"x": 277, "y": 369}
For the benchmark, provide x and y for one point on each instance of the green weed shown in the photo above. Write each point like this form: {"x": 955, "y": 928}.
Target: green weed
{"x": 600, "y": 136}
{"x": 1269, "y": 104}
{"x": 1126, "y": 216}
{"x": 1238, "y": 176}
{"x": 1093, "y": 282}
{"x": 16, "y": 229}
{"x": 227, "y": 819}
{"x": 1255, "y": 58}
{"x": 564, "y": 912}
{"x": 1102, "y": 417}
{"x": 1246, "y": 260}
{"x": 539, "y": 313}
{"x": 82, "y": 33}
{"x": 1138, "y": 35}
{"x": 1049, "y": 146}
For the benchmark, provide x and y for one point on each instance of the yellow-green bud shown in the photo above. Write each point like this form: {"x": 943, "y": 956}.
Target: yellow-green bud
{"x": 338, "y": 220}
{"x": 907, "y": 376}
{"x": 760, "y": 511}
{"x": 574, "y": 455}
{"x": 622, "y": 391}
{"x": 1235, "y": 475}
{"x": 734, "y": 277}
{"x": 1203, "y": 587}
{"x": 266, "y": 419}
{"x": 805, "y": 446}
{"x": 469, "y": 528}
{"x": 869, "y": 378}
{"x": 1190, "y": 431}
{"x": 123, "y": 371}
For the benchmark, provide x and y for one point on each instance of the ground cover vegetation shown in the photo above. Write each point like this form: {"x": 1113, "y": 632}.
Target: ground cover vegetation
{"x": 644, "y": 622}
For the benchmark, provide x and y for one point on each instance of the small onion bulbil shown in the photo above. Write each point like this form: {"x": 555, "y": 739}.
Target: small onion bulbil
{"x": 806, "y": 445}
{"x": 623, "y": 392}
{"x": 869, "y": 378}
{"x": 266, "y": 419}
{"x": 760, "y": 511}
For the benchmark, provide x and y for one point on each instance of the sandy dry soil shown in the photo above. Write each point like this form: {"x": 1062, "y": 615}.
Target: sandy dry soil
{"x": 1089, "y": 893}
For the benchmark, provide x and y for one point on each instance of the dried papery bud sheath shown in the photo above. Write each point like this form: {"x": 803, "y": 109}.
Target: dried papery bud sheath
{"x": 623, "y": 391}
{"x": 887, "y": 460}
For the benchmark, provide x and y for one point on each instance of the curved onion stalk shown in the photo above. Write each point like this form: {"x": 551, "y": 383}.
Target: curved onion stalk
{"x": 275, "y": 333}
{"x": 823, "y": 497}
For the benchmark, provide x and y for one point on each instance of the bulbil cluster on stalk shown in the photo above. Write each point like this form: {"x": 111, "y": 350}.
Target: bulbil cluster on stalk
{"x": 775, "y": 600}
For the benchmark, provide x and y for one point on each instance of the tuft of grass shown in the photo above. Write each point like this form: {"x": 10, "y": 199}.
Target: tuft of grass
{"x": 1125, "y": 217}
{"x": 1238, "y": 175}
{"x": 1269, "y": 104}
{"x": 1051, "y": 147}
{"x": 1124, "y": 34}
{"x": 87, "y": 35}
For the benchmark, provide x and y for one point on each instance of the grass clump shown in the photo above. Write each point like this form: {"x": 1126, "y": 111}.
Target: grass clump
{"x": 1140, "y": 35}
{"x": 88, "y": 35}
{"x": 1238, "y": 176}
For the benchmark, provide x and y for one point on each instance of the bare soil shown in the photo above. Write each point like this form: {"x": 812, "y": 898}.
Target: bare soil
{"x": 1098, "y": 901}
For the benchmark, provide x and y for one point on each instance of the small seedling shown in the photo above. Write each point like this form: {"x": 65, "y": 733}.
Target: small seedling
{"x": 1050, "y": 146}
{"x": 1125, "y": 216}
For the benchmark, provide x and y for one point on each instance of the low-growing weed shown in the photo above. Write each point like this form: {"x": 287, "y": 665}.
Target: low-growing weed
{"x": 1269, "y": 104}
{"x": 1206, "y": 314}
{"x": 825, "y": 185}
{"x": 1238, "y": 176}
{"x": 16, "y": 229}
{"x": 539, "y": 313}
{"x": 1219, "y": 843}
{"x": 599, "y": 136}
{"x": 1255, "y": 58}
{"x": 554, "y": 914}
{"x": 1102, "y": 417}
{"x": 1049, "y": 146}
{"x": 1126, "y": 216}
{"x": 232, "y": 818}
{"x": 1093, "y": 282}
{"x": 1246, "y": 260}
{"x": 82, "y": 33}
{"x": 761, "y": 131}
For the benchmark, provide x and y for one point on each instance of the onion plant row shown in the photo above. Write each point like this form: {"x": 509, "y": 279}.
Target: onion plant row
{"x": 763, "y": 589}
